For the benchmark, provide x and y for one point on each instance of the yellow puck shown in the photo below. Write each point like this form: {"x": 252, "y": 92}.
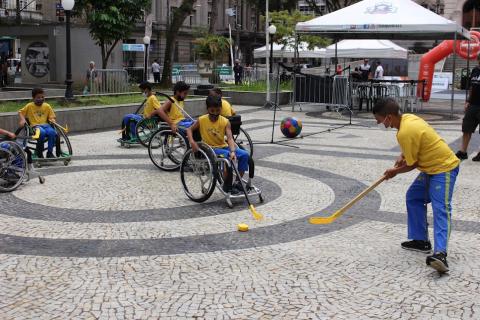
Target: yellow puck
{"x": 242, "y": 227}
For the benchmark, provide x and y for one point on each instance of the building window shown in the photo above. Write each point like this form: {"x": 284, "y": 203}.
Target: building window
{"x": 192, "y": 18}
{"x": 253, "y": 21}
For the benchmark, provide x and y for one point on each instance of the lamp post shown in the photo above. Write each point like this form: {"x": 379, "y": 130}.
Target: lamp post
{"x": 272, "y": 29}
{"x": 67, "y": 7}
{"x": 146, "y": 42}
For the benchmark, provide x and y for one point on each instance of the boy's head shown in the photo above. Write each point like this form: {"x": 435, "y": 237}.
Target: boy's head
{"x": 216, "y": 92}
{"x": 214, "y": 107}
{"x": 385, "y": 110}
{"x": 38, "y": 96}
{"x": 145, "y": 87}
{"x": 180, "y": 90}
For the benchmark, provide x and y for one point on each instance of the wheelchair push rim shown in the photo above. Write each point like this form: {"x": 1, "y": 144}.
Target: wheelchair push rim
{"x": 145, "y": 130}
{"x": 13, "y": 166}
{"x": 243, "y": 140}
{"x": 198, "y": 174}
{"x": 166, "y": 149}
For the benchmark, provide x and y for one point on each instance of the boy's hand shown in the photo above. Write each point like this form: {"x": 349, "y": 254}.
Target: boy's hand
{"x": 400, "y": 162}
{"x": 11, "y": 135}
{"x": 173, "y": 127}
{"x": 390, "y": 173}
{"x": 194, "y": 146}
{"x": 233, "y": 156}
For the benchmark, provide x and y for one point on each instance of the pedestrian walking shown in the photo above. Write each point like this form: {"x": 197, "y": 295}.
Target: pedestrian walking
{"x": 156, "y": 71}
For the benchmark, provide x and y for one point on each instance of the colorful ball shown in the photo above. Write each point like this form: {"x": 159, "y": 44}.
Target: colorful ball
{"x": 291, "y": 127}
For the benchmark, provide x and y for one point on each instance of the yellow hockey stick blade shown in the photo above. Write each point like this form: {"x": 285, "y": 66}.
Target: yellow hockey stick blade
{"x": 37, "y": 134}
{"x": 257, "y": 215}
{"x": 322, "y": 220}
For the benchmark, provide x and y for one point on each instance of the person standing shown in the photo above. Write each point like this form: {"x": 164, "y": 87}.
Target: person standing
{"x": 238, "y": 72}
{"x": 471, "y": 120}
{"x": 378, "y": 71}
{"x": 156, "y": 71}
{"x": 365, "y": 70}
{"x": 423, "y": 149}
{"x": 90, "y": 78}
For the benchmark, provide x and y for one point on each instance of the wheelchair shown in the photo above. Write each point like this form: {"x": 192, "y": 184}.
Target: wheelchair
{"x": 202, "y": 171}
{"x": 15, "y": 164}
{"x": 144, "y": 130}
{"x": 166, "y": 148}
{"x": 63, "y": 149}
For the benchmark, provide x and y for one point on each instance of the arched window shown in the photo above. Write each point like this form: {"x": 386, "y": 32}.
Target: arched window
{"x": 471, "y": 14}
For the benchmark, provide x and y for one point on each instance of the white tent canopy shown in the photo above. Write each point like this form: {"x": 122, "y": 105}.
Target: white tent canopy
{"x": 288, "y": 51}
{"x": 384, "y": 49}
{"x": 383, "y": 19}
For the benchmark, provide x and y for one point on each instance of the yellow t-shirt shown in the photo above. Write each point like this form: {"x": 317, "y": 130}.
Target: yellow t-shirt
{"x": 151, "y": 105}
{"x": 38, "y": 115}
{"x": 174, "y": 114}
{"x": 421, "y": 144}
{"x": 213, "y": 133}
{"x": 227, "y": 109}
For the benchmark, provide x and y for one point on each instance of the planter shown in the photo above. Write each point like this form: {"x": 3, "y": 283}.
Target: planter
{"x": 250, "y": 98}
{"x": 97, "y": 117}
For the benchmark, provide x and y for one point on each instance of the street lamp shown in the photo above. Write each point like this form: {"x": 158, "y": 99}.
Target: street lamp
{"x": 67, "y": 7}
{"x": 146, "y": 42}
{"x": 271, "y": 31}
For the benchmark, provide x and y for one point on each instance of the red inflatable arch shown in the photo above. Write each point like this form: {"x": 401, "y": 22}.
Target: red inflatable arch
{"x": 427, "y": 63}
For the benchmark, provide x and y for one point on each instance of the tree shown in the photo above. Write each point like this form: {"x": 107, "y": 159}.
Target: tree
{"x": 179, "y": 15}
{"x": 212, "y": 47}
{"x": 213, "y": 17}
{"x": 286, "y": 21}
{"x": 110, "y": 21}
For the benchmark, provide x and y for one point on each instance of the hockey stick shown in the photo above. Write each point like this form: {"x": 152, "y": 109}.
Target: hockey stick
{"x": 257, "y": 215}
{"x": 338, "y": 213}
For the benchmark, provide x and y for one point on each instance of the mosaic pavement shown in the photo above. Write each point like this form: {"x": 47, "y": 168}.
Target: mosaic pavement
{"x": 112, "y": 237}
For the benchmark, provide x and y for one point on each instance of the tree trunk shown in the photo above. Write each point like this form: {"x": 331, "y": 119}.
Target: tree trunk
{"x": 213, "y": 17}
{"x": 179, "y": 16}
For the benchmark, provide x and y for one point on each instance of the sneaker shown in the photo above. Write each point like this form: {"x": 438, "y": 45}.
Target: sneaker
{"x": 477, "y": 157}
{"x": 50, "y": 155}
{"x": 461, "y": 155}
{"x": 417, "y": 245}
{"x": 438, "y": 261}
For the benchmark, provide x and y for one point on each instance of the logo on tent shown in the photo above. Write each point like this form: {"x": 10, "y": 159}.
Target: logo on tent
{"x": 382, "y": 7}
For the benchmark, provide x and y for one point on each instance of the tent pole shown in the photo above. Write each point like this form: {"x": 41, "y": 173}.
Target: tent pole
{"x": 453, "y": 74}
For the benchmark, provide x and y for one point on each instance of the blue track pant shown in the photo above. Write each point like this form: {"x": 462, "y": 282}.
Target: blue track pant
{"x": 131, "y": 120}
{"x": 46, "y": 131}
{"x": 242, "y": 157}
{"x": 436, "y": 189}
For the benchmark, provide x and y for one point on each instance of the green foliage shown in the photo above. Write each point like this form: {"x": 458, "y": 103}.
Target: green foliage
{"x": 286, "y": 21}
{"x": 111, "y": 20}
{"x": 259, "y": 86}
{"x": 211, "y": 46}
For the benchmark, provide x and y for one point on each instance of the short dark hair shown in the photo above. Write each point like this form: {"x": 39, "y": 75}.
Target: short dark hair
{"x": 213, "y": 101}
{"x": 217, "y": 91}
{"x": 145, "y": 85}
{"x": 36, "y": 91}
{"x": 386, "y": 106}
{"x": 180, "y": 86}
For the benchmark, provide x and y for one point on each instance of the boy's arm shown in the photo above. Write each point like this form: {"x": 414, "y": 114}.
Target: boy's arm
{"x": 21, "y": 115}
{"x": 7, "y": 133}
{"x": 162, "y": 113}
{"x": 190, "y": 130}
{"x": 51, "y": 115}
{"x": 231, "y": 143}
{"x": 390, "y": 173}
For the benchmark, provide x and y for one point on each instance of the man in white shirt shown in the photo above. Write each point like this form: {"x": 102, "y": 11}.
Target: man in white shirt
{"x": 365, "y": 70}
{"x": 378, "y": 71}
{"x": 156, "y": 71}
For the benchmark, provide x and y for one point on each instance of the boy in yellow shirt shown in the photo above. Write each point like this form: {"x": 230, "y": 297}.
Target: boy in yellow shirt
{"x": 130, "y": 121}
{"x": 227, "y": 109}
{"x": 213, "y": 129}
{"x": 172, "y": 113}
{"x": 423, "y": 149}
{"x": 40, "y": 114}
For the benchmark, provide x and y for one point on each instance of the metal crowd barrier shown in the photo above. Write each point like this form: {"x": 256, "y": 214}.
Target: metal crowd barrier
{"x": 108, "y": 81}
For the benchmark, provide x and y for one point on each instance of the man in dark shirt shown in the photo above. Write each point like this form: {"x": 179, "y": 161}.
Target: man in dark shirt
{"x": 472, "y": 113}
{"x": 238, "y": 72}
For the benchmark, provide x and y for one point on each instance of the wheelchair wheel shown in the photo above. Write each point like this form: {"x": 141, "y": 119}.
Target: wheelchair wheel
{"x": 166, "y": 149}
{"x": 13, "y": 166}
{"x": 243, "y": 140}
{"x": 145, "y": 129}
{"x": 63, "y": 148}
{"x": 198, "y": 173}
